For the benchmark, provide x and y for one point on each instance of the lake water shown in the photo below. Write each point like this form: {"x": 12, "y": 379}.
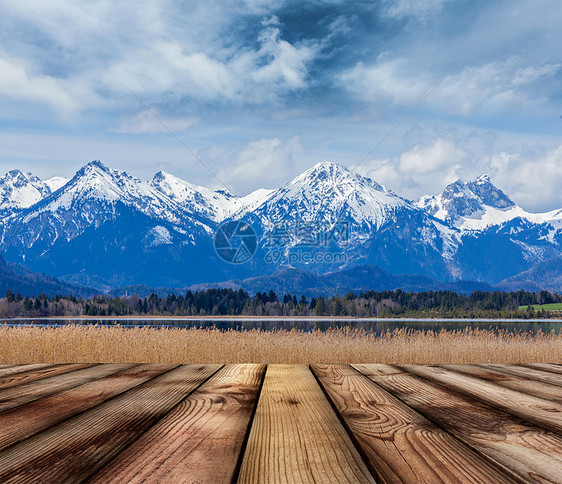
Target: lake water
{"x": 376, "y": 326}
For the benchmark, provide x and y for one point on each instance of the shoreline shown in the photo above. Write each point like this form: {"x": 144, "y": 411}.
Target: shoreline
{"x": 276, "y": 318}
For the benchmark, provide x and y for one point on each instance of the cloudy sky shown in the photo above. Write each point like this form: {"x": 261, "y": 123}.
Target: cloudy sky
{"x": 261, "y": 90}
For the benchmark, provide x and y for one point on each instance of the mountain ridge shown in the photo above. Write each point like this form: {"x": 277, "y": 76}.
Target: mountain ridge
{"x": 108, "y": 226}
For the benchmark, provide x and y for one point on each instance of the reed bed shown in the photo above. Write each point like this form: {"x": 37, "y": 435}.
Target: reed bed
{"x": 101, "y": 344}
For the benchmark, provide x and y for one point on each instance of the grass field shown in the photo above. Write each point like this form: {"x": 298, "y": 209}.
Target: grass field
{"x": 546, "y": 307}
{"x": 97, "y": 344}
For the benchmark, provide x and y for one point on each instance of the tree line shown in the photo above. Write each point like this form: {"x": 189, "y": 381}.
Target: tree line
{"x": 230, "y": 302}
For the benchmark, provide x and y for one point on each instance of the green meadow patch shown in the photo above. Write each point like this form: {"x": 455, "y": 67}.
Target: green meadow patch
{"x": 546, "y": 307}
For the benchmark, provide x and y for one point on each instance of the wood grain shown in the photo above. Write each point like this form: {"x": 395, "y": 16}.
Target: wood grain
{"x": 26, "y": 420}
{"x": 401, "y": 445}
{"x": 544, "y": 366}
{"x": 531, "y": 387}
{"x": 532, "y": 374}
{"x": 6, "y": 370}
{"x": 15, "y": 396}
{"x": 81, "y": 446}
{"x": 34, "y": 374}
{"x": 296, "y": 436}
{"x": 531, "y": 452}
{"x": 530, "y": 408}
{"x": 200, "y": 440}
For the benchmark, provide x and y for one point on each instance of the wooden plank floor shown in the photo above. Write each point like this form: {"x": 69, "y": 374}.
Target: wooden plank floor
{"x": 281, "y": 423}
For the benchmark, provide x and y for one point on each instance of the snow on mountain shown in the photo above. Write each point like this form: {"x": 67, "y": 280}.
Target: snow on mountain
{"x": 20, "y": 190}
{"x": 93, "y": 196}
{"x": 213, "y": 205}
{"x": 478, "y": 205}
{"x": 98, "y": 184}
{"x": 56, "y": 182}
{"x": 490, "y": 195}
{"x": 330, "y": 193}
{"x": 108, "y": 224}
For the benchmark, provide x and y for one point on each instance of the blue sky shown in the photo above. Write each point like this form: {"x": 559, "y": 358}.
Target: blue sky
{"x": 263, "y": 90}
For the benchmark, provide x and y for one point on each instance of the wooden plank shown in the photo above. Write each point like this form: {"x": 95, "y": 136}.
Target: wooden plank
{"x": 529, "y": 373}
{"x": 531, "y": 387}
{"x": 113, "y": 379}
{"x": 15, "y": 396}
{"x": 400, "y": 444}
{"x": 533, "y": 409}
{"x": 544, "y": 366}
{"x": 531, "y": 452}
{"x": 24, "y": 377}
{"x": 79, "y": 447}
{"x": 296, "y": 436}
{"x": 14, "y": 369}
{"x": 200, "y": 440}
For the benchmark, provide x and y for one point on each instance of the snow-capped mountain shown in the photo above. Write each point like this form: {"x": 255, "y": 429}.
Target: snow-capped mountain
{"x": 101, "y": 220}
{"x": 90, "y": 198}
{"x": 211, "y": 205}
{"x": 329, "y": 197}
{"x": 479, "y": 205}
{"x": 330, "y": 193}
{"x": 56, "y": 182}
{"x": 20, "y": 190}
{"x": 200, "y": 200}
{"x": 107, "y": 228}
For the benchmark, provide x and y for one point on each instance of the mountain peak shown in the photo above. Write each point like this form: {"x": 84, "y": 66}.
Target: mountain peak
{"x": 215, "y": 205}
{"x": 490, "y": 194}
{"x": 96, "y": 165}
{"x": 14, "y": 173}
{"x": 329, "y": 165}
{"x": 333, "y": 174}
{"x": 20, "y": 190}
{"x": 471, "y": 204}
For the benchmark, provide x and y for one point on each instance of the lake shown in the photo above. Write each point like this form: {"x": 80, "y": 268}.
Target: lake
{"x": 376, "y": 326}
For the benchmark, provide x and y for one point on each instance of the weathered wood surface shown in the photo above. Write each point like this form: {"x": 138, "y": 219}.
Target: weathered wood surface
{"x": 544, "y": 366}
{"x": 534, "y": 454}
{"x": 6, "y": 370}
{"x": 525, "y": 385}
{"x": 540, "y": 411}
{"x": 280, "y": 423}
{"x": 528, "y": 373}
{"x": 201, "y": 438}
{"x": 14, "y": 396}
{"x": 80, "y": 446}
{"x": 400, "y": 444}
{"x": 27, "y": 420}
{"x": 20, "y": 378}
{"x": 296, "y": 435}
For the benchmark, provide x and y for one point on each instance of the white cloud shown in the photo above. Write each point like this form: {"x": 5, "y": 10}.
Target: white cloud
{"x": 266, "y": 163}
{"x": 145, "y": 122}
{"x": 387, "y": 80}
{"x": 426, "y": 168}
{"x": 533, "y": 179}
{"x": 17, "y": 82}
{"x": 287, "y": 63}
{"x": 163, "y": 50}
{"x": 416, "y": 9}
{"x": 426, "y": 159}
{"x": 495, "y": 87}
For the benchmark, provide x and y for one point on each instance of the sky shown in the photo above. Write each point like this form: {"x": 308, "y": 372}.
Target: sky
{"x": 262, "y": 90}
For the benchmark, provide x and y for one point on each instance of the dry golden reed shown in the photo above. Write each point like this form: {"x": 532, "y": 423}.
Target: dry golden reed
{"x": 99, "y": 344}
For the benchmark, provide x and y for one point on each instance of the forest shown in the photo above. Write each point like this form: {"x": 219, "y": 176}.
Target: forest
{"x": 229, "y": 302}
